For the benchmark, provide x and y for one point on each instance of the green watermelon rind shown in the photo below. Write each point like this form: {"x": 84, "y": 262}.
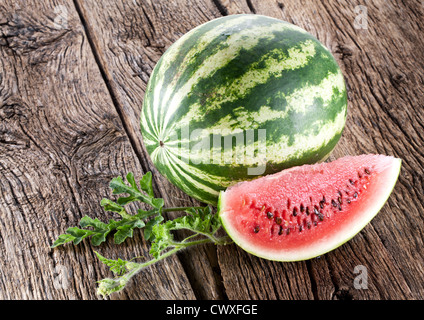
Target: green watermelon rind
{"x": 300, "y": 98}
{"x": 392, "y": 179}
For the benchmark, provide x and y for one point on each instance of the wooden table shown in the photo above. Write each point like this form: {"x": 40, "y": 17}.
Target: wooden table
{"x": 72, "y": 79}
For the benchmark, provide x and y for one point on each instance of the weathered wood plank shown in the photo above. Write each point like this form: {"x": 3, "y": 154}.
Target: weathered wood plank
{"x": 61, "y": 141}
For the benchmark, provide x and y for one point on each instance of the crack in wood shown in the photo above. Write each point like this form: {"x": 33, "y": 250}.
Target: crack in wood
{"x": 221, "y": 8}
{"x": 250, "y": 5}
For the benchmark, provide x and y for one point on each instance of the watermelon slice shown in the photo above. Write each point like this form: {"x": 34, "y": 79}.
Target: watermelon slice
{"x": 306, "y": 211}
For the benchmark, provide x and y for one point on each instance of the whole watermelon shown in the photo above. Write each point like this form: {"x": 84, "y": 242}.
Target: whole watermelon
{"x": 238, "y": 97}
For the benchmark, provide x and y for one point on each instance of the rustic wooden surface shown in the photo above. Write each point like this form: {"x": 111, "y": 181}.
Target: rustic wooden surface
{"x": 72, "y": 80}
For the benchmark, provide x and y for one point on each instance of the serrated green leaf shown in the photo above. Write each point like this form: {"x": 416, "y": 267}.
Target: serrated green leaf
{"x": 146, "y": 184}
{"x": 111, "y": 206}
{"x": 86, "y": 221}
{"x": 142, "y": 214}
{"x": 125, "y": 200}
{"x": 125, "y": 230}
{"x": 99, "y": 237}
{"x": 162, "y": 239}
{"x": 118, "y": 267}
{"x": 149, "y": 226}
{"x": 62, "y": 239}
{"x": 118, "y": 186}
{"x": 99, "y": 231}
{"x": 79, "y": 234}
{"x": 157, "y": 203}
{"x": 131, "y": 180}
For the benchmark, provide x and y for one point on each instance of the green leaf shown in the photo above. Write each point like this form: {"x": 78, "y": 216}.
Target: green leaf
{"x": 197, "y": 220}
{"x": 162, "y": 240}
{"x": 108, "y": 286}
{"x": 89, "y": 222}
{"x": 118, "y": 186}
{"x": 118, "y": 267}
{"x": 146, "y": 184}
{"x": 142, "y": 214}
{"x": 78, "y": 234}
{"x": 111, "y": 206}
{"x": 125, "y": 230}
{"x": 62, "y": 239}
{"x": 131, "y": 180}
{"x": 157, "y": 203}
{"x": 98, "y": 231}
{"x": 148, "y": 234}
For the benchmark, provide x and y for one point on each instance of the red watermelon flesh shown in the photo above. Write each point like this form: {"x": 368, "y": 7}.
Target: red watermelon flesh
{"x": 306, "y": 211}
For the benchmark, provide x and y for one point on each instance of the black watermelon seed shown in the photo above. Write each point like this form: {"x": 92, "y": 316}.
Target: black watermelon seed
{"x": 270, "y": 215}
{"x": 307, "y": 211}
{"x": 334, "y": 203}
{"x": 355, "y": 195}
{"x": 300, "y": 228}
{"x": 351, "y": 182}
{"x": 339, "y": 199}
{"x": 256, "y": 229}
{"x": 348, "y": 201}
{"x": 294, "y": 212}
{"x": 288, "y": 231}
{"x": 321, "y": 205}
{"x": 302, "y": 208}
{"x": 320, "y": 216}
{"x": 308, "y": 224}
{"x": 316, "y": 210}
{"x": 280, "y": 232}
{"x": 367, "y": 171}
{"x": 278, "y": 220}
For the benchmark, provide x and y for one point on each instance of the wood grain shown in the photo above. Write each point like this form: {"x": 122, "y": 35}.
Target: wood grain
{"x": 70, "y": 102}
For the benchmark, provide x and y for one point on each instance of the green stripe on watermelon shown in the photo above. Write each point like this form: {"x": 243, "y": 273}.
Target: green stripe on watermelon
{"x": 240, "y": 73}
{"x": 187, "y": 181}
